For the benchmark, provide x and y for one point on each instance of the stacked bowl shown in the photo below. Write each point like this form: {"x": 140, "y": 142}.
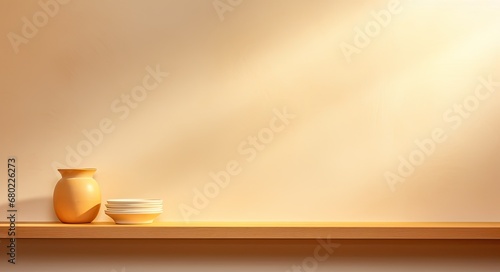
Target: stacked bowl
{"x": 132, "y": 211}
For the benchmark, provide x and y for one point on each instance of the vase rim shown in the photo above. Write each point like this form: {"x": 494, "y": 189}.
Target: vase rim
{"x": 77, "y": 169}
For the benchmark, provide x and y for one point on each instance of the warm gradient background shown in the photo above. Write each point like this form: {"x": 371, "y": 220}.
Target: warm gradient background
{"x": 354, "y": 117}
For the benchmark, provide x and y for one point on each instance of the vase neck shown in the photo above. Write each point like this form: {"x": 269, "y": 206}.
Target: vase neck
{"x": 77, "y": 173}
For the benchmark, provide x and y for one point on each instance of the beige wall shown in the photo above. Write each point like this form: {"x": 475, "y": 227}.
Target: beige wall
{"x": 358, "y": 103}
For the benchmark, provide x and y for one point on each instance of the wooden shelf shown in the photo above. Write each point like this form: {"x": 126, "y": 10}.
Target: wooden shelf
{"x": 253, "y": 230}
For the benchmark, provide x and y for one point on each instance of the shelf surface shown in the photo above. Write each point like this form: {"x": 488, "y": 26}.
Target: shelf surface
{"x": 254, "y": 230}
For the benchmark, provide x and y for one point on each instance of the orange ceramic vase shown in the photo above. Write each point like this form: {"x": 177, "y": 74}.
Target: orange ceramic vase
{"x": 77, "y": 197}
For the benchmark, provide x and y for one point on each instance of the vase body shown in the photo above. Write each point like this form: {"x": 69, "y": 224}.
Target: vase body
{"x": 77, "y": 197}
